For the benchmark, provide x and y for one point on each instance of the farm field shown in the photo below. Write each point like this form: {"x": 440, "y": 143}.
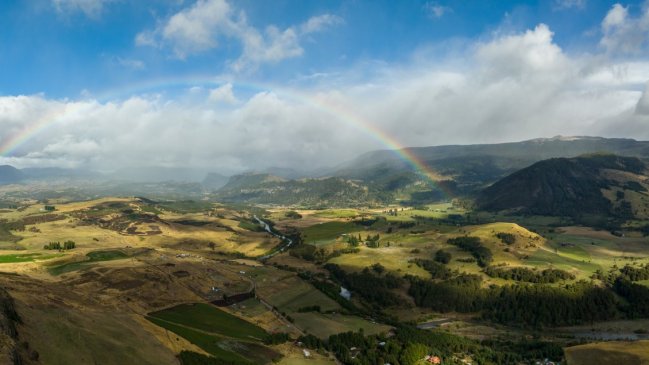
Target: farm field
{"x": 91, "y": 257}
{"x": 324, "y": 325}
{"x": 207, "y": 318}
{"x": 632, "y": 353}
{"x": 162, "y": 263}
{"x": 220, "y": 334}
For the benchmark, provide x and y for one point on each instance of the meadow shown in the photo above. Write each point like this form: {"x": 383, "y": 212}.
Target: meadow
{"x": 220, "y": 334}
{"x": 614, "y": 352}
{"x": 91, "y": 257}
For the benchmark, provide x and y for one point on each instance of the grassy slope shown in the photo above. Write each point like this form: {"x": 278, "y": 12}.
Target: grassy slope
{"x": 208, "y": 318}
{"x": 221, "y": 334}
{"x": 627, "y": 353}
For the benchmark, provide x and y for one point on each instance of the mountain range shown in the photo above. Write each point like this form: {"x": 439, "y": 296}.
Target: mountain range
{"x": 384, "y": 176}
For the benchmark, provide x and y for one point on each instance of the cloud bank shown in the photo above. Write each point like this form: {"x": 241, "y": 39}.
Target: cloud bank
{"x": 511, "y": 87}
{"x": 199, "y": 28}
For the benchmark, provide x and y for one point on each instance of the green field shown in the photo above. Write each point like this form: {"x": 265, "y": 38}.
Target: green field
{"x": 324, "y": 325}
{"x": 337, "y": 213}
{"x": 205, "y": 341}
{"x": 296, "y": 294}
{"x": 220, "y": 334}
{"x": 328, "y": 231}
{"x": 92, "y": 257}
{"x": 208, "y": 318}
{"x": 27, "y": 257}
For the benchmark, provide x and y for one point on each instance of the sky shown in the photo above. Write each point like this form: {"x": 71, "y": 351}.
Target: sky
{"x": 232, "y": 86}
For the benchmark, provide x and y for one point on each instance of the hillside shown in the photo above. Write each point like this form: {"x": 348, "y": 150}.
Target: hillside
{"x": 474, "y": 166}
{"x": 10, "y": 175}
{"x": 214, "y": 181}
{"x": 594, "y": 184}
{"x": 268, "y": 189}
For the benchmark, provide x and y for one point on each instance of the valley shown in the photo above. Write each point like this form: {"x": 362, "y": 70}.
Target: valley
{"x": 200, "y": 281}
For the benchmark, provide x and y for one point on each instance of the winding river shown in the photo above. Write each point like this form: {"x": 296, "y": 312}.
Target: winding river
{"x": 287, "y": 241}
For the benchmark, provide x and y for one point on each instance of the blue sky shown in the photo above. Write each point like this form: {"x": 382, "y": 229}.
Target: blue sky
{"x": 62, "y": 48}
{"x": 231, "y": 86}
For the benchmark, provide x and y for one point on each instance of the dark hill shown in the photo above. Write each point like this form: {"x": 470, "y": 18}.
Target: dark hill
{"x": 214, "y": 181}
{"x": 474, "y": 166}
{"x": 10, "y": 175}
{"x": 566, "y": 187}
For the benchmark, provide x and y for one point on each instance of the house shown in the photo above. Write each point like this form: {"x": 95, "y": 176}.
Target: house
{"x": 433, "y": 359}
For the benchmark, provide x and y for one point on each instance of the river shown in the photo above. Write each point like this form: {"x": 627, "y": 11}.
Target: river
{"x": 288, "y": 242}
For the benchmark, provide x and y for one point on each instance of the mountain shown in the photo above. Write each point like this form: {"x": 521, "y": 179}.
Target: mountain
{"x": 600, "y": 184}
{"x": 321, "y": 192}
{"x": 287, "y": 173}
{"x": 214, "y": 181}
{"x": 159, "y": 174}
{"x": 250, "y": 180}
{"x": 10, "y": 175}
{"x": 44, "y": 173}
{"x": 473, "y": 167}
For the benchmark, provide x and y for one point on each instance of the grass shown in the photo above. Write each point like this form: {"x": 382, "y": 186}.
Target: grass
{"x": 208, "y": 318}
{"x": 393, "y": 258}
{"x": 207, "y": 342}
{"x": 94, "y": 256}
{"x": 27, "y": 257}
{"x": 291, "y": 294}
{"x": 220, "y": 334}
{"x": 106, "y": 337}
{"x": 337, "y": 213}
{"x": 546, "y": 258}
{"x": 324, "y": 325}
{"x": 187, "y": 206}
{"x": 613, "y": 352}
{"x": 328, "y": 231}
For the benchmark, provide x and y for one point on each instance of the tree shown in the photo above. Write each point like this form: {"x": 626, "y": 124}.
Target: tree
{"x": 378, "y": 268}
{"x": 413, "y": 353}
{"x": 352, "y": 241}
{"x": 443, "y": 257}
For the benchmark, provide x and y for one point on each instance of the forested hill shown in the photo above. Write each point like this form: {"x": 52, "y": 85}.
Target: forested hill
{"x": 594, "y": 184}
{"x": 325, "y": 192}
{"x": 474, "y": 166}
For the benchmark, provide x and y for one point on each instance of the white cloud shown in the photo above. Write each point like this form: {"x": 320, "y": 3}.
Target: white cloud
{"x": 435, "y": 10}
{"x": 320, "y": 23}
{"x": 623, "y": 33}
{"x": 528, "y": 55}
{"x": 130, "y": 63}
{"x": 223, "y": 94}
{"x": 91, "y": 8}
{"x": 569, "y": 4}
{"x": 512, "y": 87}
{"x": 201, "y": 26}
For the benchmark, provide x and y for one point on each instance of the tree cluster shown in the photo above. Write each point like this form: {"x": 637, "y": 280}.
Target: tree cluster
{"x": 520, "y": 304}
{"x": 474, "y": 246}
{"x": 436, "y": 270}
{"x": 506, "y": 238}
{"x": 375, "y": 289}
{"x": 634, "y": 273}
{"x": 529, "y": 275}
{"x": 67, "y": 245}
{"x": 409, "y": 346}
{"x": 443, "y": 257}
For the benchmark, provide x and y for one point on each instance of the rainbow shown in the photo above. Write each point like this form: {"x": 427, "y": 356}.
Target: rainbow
{"x": 340, "y": 113}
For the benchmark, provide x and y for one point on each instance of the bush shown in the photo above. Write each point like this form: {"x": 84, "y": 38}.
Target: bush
{"x": 506, "y": 238}
{"x": 443, "y": 257}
